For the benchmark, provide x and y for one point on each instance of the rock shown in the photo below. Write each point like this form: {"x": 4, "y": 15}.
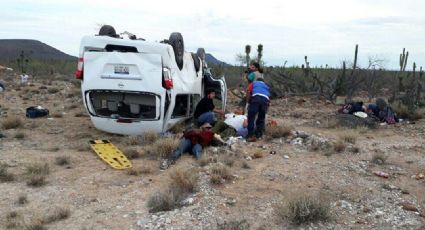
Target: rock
{"x": 286, "y": 156}
{"x": 381, "y": 174}
{"x": 297, "y": 141}
{"x": 188, "y": 201}
{"x": 408, "y": 206}
{"x": 141, "y": 223}
{"x": 167, "y": 220}
{"x": 231, "y": 201}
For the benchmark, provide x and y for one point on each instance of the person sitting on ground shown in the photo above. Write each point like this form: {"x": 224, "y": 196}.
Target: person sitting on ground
{"x": 204, "y": 111}
{"x": 258, "y": 99}
{"x": 234, "y": 124}
{"x": 193, "y": 141}
{"x": 382, "y": 111}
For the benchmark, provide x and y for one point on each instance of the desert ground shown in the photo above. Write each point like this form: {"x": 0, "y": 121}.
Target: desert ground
{"x": 51, "y": 179}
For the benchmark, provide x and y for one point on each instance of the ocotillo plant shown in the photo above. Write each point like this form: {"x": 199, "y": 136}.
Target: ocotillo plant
{"x": 247, "y": 51}
{"x": 260, "y": 52}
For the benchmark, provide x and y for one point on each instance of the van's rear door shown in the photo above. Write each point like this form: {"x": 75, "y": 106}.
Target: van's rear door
{"x": 218, "y": 84}
{"x": 123, "y": 71}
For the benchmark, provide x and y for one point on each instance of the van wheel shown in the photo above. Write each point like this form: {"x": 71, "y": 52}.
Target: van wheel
{"x": 176, "y": 41}
{"x": 196, "y": 61}
{"x": 107, "y": 30}
{"x": 201, "y": 53}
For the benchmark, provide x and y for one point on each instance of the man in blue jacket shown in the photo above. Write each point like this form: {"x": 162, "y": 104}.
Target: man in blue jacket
{"x": 258, "y": 97}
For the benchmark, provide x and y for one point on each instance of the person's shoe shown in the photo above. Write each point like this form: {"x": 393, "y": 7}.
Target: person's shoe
{"x": 165, "y": 164}
{"x": 251, "y": 139}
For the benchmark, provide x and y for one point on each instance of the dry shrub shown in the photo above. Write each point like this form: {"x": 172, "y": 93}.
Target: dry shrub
{"x": 234, "y": 225}
{"x": 34, "y": 180}
{"x": 278, "y": 131}
{"x": 140, "y": 170}
{"x": 379, "y": 158}
{"x": 20, "y": 135}
{"x": 207, "y": 158}
{"x": 133, "y": 140}
{"x": 150, "y": 137}
{"x": 304, "y": 208}
{"x": 72, "y": 106}
{"x": 52, "y": 90}
{"x": 36, "y": 174}
{"x": 5, "y": 176}
{"x": 22, "y": 199}
{"x": 62, "y": 160}
{"x": 185, "y": 179}
{"x": 228, "y": 159}
{"x": 35, "y": 226}
{"x": 178, "y": 128}
{"x": 339, "y": 146}
{"x": 245, "y": 165}
{"x": 12, "y": 123}
{"x": 219, "y": 173}
{"x": 165, "y": 200}
{"x": 258, "y": 154}
{"x": 12, "y": 220}
{"x": 400, "y": 109}
{"x": 57, "y": 215}
{"x": 132, "y": 154}
{"x": 349, "y": 137}
{"x": 163, "y": 147}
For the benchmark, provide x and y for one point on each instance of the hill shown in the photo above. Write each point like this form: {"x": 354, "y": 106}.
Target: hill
{"x": 12, "y": 48}
{"x": 211, "y": 60}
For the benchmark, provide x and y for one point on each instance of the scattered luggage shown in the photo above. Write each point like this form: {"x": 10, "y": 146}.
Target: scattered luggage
{"x": 36, "y": 111}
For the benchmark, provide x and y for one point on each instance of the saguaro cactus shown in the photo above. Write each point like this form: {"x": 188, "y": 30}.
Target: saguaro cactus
{"x": 260, "y": 52}
{"x": 247, "y": 51}
{"x": 355, "y": 59}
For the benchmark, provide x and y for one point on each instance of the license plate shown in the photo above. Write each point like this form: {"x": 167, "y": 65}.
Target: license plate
{"x": 119, "y": 69}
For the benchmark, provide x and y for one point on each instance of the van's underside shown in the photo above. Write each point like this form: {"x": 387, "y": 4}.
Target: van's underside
{"x": 123, "y": 104}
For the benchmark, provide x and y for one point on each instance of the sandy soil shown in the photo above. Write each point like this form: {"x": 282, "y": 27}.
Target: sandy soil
{"x": 100, "y": 197}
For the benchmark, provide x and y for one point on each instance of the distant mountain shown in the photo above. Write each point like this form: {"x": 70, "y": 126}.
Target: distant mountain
{"x": 12, "y": 48}
{"x": 211, "y": 60}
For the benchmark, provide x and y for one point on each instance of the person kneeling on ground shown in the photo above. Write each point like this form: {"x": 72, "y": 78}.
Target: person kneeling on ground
{"x": 258, "y": 98}
{"x": 204, "y": 111}
{"x": 192, "y": 141}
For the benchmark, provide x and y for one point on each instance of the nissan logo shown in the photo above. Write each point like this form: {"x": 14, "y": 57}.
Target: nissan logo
{"x": 121, "y": 85}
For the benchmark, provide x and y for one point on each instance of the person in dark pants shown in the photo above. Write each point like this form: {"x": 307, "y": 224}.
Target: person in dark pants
{"x": 258, "y": 98}
{"x": 204, "y": 111}
{"x": 193, "y": 141}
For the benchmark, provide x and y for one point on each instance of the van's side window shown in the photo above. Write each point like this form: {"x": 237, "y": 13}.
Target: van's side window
{"x": 181, "y": 106}
{"x": 185, "y": 105}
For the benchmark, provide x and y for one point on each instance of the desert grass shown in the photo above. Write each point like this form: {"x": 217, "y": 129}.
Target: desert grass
{"x": 57, "y": 115}
{"x": 132, "y": 154}
{"x": 13, "y": 220}
{"x": 52, "y": 90}
{"x": 163, "y": 147}
{"x": 278, "y": 131}
{"x": 182, "y": 182}
{"x": 303, "y": 208}
{"x": 133, "y": 140}
{"x": 5, "y": 176}
{"x": 36, "y": 174}
{"x": 147, "y": 169}
{"x": 22, "y": 199}
{"x": 57, "y": 215}
{"x": 339, "y": 146}
{"x": 379, "y": 158}
{"x": 234, "y": 224}
{"x": 219, "y": 173}
{"x": 349, "y": 137}
{"x": 150, "y": 137}
{"x": 19, "y": 135}
{"x": 62, "y": 160}
{"x": 11, "y": 123}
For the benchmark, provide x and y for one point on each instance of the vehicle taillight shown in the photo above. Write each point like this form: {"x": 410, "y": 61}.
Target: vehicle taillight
{"x": 167, "y": 80}
{"x": 80, "y": 73}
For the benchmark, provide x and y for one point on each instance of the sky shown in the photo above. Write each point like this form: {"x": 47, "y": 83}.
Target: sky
{"x": 326, "y": 31}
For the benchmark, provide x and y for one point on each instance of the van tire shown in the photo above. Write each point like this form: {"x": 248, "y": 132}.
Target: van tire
{"x": 107, "y": 30}
{"x": 176, "y": 41}
{"x": 201, "y": 53}
{"x": 196, "y": 62}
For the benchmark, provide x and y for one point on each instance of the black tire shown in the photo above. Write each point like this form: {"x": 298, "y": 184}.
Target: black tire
{"x": 201, "y": 53}
{"x": 196, "y": 61}
{"x": 176, "y": 41}
{"x": 107, "y": 30}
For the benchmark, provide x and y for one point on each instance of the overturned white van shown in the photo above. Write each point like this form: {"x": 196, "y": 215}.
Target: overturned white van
{"x": 131, "y": 86}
